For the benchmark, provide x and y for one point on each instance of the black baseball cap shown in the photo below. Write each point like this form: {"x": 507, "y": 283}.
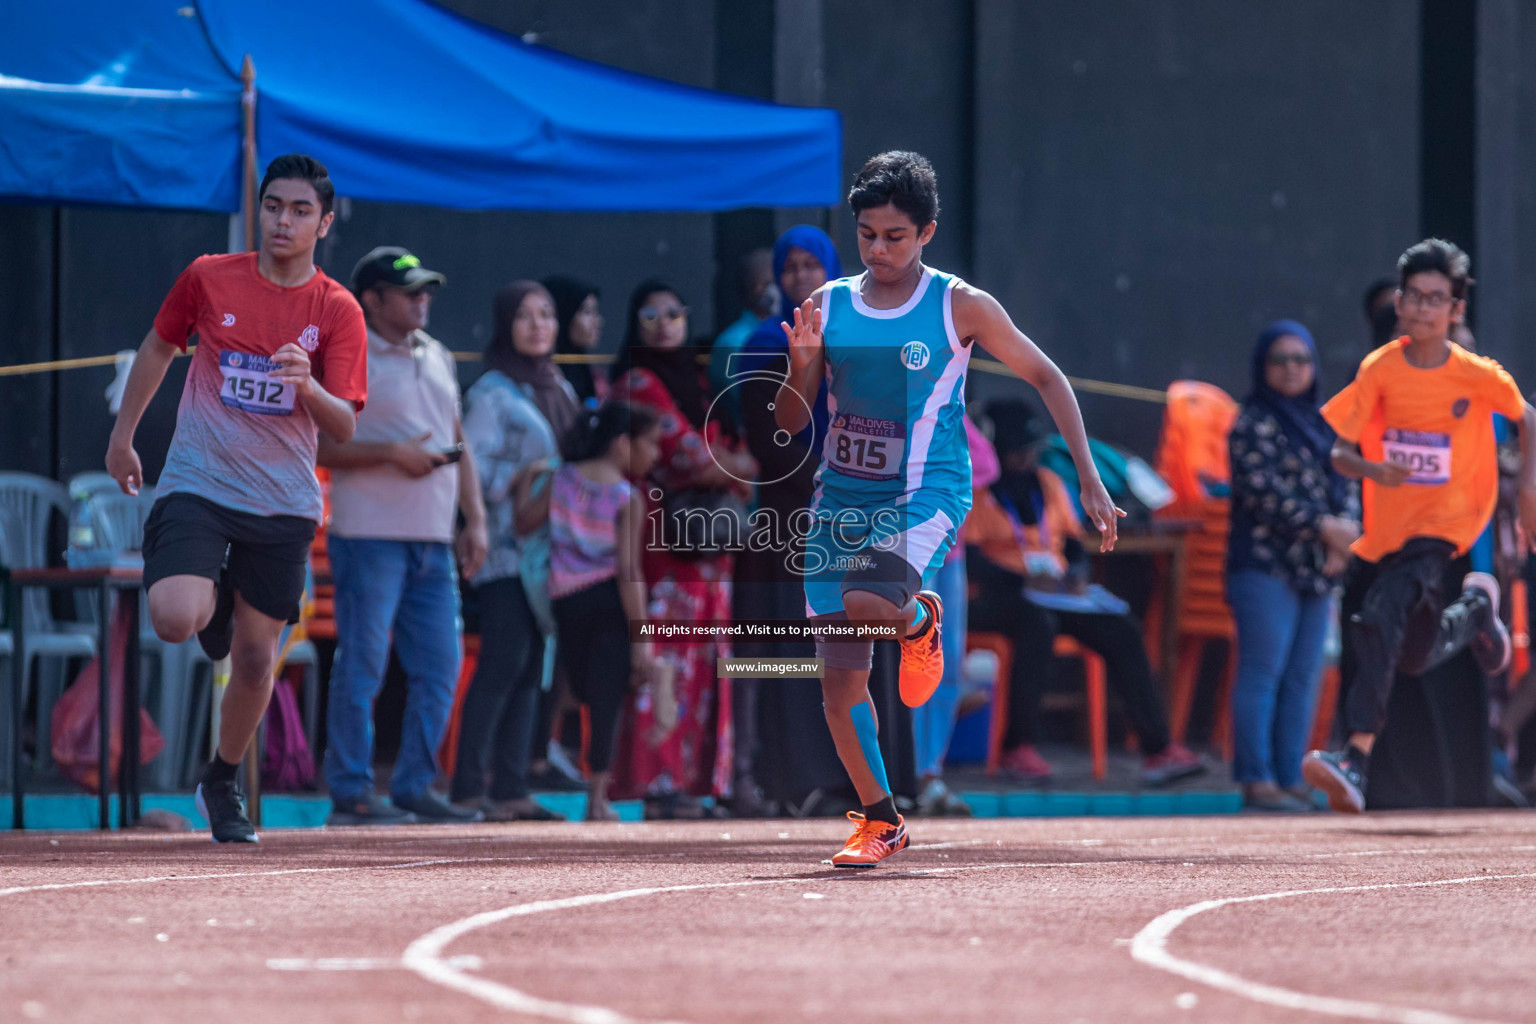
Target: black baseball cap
{"x": 394, "y": 266}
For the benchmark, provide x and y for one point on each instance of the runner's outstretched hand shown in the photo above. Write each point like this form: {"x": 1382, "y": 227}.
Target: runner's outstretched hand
{"x": 1102, "y": 513}
{"x": 805, "y": 339}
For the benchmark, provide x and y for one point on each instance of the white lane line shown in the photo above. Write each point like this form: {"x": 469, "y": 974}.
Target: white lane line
{"x": 424, "y": 956}
{"x": 1150, "y": 946}
{"x": 354, "y": 963}
{"x": 21, "y": 889}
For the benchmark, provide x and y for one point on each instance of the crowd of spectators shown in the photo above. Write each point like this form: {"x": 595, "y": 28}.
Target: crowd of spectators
{"x": 573, "y": 472}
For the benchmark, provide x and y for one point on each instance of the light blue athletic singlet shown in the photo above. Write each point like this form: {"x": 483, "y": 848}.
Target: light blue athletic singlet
{"x": 895, "y": 401}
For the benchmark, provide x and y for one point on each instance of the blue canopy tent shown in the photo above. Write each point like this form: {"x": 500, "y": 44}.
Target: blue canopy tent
{"x": 137, "y": 102}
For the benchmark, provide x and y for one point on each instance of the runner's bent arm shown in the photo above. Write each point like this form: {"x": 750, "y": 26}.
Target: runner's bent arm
{"x": 1349, "y": 462}
{"x": 806, "y": 367}
{"x": 336, "y": 417}
{"x": 149, "y": 366}
{"x": 982, "y": 319}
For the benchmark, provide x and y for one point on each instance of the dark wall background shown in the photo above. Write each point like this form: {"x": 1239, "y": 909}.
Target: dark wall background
{"x": 1143, "y": 184}
{"x": 1162, "y": 179}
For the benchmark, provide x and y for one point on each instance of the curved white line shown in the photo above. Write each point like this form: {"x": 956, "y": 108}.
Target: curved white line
{"x": 424, "y": 956}
{"x": 1150, "y": 946}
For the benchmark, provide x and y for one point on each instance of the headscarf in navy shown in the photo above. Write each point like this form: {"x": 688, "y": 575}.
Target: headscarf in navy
{"x": 769, "y": 338}
{"x": 1300, "y": 417}
{"x": 569, "y": 293}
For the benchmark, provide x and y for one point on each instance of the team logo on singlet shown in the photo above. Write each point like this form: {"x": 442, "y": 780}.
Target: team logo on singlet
{"x": 310, "y": 339}
{"x": 914, "y": 355}
{"x": 229, "y": 319}
{"x": 1460, "y": 408}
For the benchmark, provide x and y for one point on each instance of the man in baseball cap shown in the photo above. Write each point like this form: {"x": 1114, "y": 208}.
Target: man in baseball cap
{"x": 393, "y": 266}
{"x": 396, "y": 490}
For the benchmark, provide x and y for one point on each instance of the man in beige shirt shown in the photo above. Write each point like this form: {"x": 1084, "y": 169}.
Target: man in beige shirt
{"x": 395, "y": 490}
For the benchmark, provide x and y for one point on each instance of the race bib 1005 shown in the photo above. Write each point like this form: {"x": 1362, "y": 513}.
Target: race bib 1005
{"x": 248, "y": 386}
{"x": 866, "y": 448}
{"x": 1427, "y": 456}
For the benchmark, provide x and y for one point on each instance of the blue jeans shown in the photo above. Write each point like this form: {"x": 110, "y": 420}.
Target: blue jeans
{"x": 408, "y": 588}
{"x": 934, "y": 721}
{"x": 1280, "y": 636}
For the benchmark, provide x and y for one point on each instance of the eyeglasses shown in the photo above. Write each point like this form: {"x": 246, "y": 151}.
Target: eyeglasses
{"x": 1426, "y": 300}
{"x": 671, "y": 314}
{"x": 1293, "y": 359}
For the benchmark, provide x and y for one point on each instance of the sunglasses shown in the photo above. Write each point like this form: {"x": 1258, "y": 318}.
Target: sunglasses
{"x": 671, "y": 314}
{"x": 1294, "y": 359}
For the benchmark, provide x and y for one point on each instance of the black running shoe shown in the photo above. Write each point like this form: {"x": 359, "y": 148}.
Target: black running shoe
{"x": 224, "y": 807}
{"x": 1491, "y": 647}
{"x": 429, "y": 806}
{"x": 219, "y": 634}
{"x": 1340, "y": 774}
{"x": 550, "y": 779}
{"x": 370, "y": 809}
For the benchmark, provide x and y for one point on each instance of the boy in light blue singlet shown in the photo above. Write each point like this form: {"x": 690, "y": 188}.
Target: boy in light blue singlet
{"x": 895, "y": 480}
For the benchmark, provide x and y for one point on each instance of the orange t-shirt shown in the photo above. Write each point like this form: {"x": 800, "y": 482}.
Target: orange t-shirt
{"x": 1439, "y": 423}
{"x": 1026, "y": 550}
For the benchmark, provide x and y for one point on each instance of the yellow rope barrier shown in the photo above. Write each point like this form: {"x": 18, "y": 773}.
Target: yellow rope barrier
{"x": 1097, "y": 387}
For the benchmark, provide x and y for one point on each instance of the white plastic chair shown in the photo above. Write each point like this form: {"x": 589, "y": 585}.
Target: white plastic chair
{"x": 27, "y": 503}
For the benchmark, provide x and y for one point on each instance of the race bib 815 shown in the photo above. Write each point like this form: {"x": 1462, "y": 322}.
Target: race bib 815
{"x": 866, "y": 448}
{"x": 248, "y": 386}
{"x": 1427, "y": 456}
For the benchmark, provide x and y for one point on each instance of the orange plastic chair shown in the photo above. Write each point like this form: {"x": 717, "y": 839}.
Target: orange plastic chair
{"x": 1192, "y": 446}
{"x": 1327, "y": 701}
{"x": 1065, "y": 647}
{"x": 1519, "y": 631}
{"x": 321, "y": 623}
{"x": 1192, "y": 453}
{"x": 448, "y": 752}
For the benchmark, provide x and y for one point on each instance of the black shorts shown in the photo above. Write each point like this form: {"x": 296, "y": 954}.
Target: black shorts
{"x": 268, "y": 556}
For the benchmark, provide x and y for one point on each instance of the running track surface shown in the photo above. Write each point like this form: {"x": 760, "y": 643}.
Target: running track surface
{"x": 1422, "y": 919}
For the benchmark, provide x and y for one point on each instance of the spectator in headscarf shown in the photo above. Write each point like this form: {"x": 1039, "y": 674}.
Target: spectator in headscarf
{"x": 581, "y": 334}
{"x": 792, "y": 755}
{"x": 671, "y": 767}
{"x": 1292, "y": 525}
{"x": 535, "y": 374}
{"x": 510, "y": 437}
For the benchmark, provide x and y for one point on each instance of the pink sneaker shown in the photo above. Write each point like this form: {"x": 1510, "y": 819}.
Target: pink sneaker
{"x": 1174, "y": 763}
{"x": 1024, "y": 763}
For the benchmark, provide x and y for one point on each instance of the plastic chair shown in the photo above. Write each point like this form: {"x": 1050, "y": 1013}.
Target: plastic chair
{"x": 1094, "y": 678}
{"x": 1192, "y": 455}
{"x": 27, "y": 503}
{"x": 1204, "y": 617}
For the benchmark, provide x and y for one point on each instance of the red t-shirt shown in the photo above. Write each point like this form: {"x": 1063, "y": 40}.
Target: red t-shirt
{"x": 241, "y": 440}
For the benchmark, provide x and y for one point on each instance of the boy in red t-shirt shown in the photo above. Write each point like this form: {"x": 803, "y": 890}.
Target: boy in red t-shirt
{"x": 1417, "y": 427}
{"x": 281, "y": 356}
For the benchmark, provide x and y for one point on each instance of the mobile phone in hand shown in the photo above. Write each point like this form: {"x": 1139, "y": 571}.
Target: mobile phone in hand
{"x": 453, "y": 454}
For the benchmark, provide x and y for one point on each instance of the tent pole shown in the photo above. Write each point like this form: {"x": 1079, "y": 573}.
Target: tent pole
{"x": 248, "y": 150}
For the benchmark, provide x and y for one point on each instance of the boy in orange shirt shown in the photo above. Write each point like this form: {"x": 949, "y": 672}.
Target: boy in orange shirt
{"x": 1417, "y": 427}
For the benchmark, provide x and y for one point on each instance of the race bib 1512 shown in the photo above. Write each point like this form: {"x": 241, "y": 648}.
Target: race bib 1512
{"x": 248, "y": 385}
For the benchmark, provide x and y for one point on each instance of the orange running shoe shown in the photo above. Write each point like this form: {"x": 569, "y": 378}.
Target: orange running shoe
{"x": 871, "y": 842}
{"x": 922, "y": 657}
